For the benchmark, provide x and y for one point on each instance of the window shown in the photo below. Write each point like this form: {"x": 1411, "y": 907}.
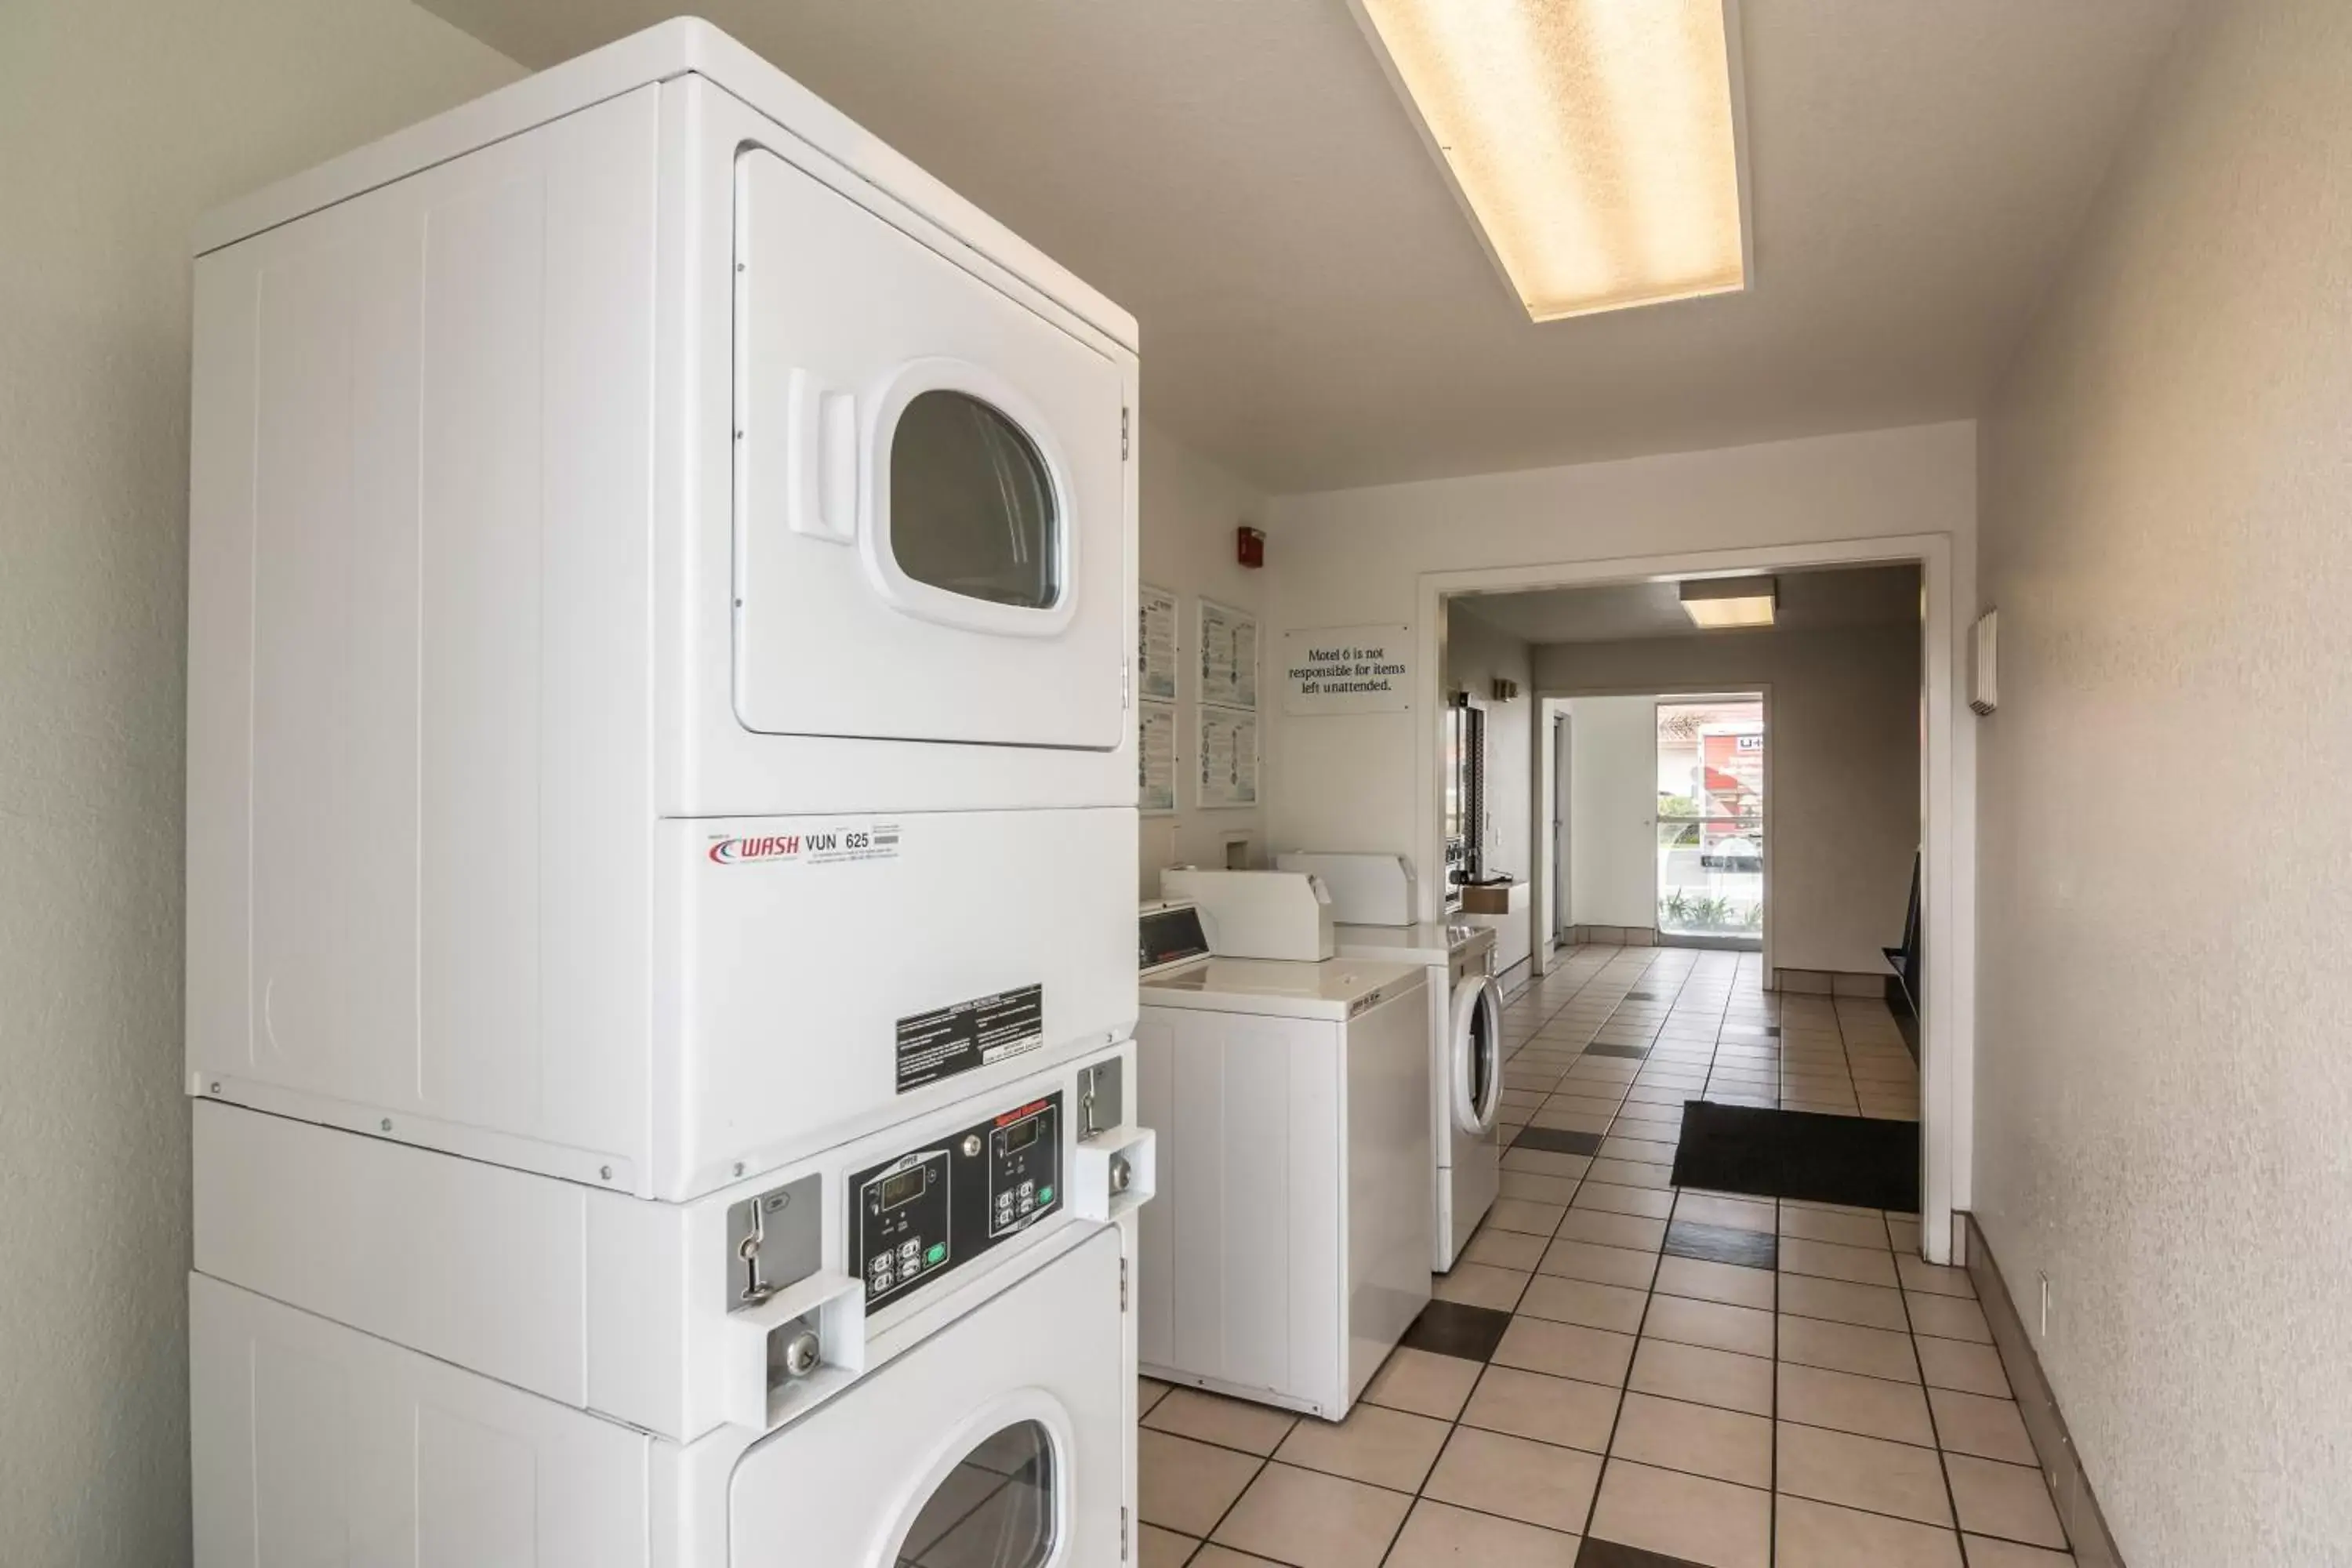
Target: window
{"x": 995, "y": 1510}
{"x": 971, "y": 503}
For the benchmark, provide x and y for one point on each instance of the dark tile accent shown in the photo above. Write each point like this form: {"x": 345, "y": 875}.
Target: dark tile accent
{"x": 1452, "y": 1328}
{"x": 1641, "y": 996}
{"x": 1751, "y": 1031}
{"x": 1557, "y": 1140}
{"x": 1723, "y": 1244}
{"x": 1601, "y": 1050}
{"x": 1597, "y": 1553}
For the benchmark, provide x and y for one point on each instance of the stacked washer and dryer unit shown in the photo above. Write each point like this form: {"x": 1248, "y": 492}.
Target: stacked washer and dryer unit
{"x": 660, "y": 821}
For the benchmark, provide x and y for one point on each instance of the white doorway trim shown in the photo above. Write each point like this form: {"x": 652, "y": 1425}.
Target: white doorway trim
{"x": 1557, "y": 766}
{"x": 1947, "y": 891}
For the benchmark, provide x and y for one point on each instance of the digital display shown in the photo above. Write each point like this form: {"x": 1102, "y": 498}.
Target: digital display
{"x": 1021, "y": 1134}
{"x": 903, "y": 1188}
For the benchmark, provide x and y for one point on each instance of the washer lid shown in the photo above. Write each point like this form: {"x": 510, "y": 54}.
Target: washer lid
{"x": 1427, "y": 943}
{"x": 1336, "y": 989}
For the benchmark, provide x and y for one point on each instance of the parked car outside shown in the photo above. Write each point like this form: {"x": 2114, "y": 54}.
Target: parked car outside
{"x": 1739, "y": 853}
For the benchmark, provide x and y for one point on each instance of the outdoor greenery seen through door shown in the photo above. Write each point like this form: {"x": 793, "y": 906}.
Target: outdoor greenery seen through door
{"x": 1711, "y": 818}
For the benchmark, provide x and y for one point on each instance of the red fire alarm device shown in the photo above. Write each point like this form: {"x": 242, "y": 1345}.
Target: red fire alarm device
{"x": 1250, "y": 545}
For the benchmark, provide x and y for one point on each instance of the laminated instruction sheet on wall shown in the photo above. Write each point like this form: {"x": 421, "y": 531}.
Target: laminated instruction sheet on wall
{"x": 1228, "y": 655}
{"x": 1155, "y": 647}
{"x": 1228, "y": 758}
{"x": 1155, "y": 758}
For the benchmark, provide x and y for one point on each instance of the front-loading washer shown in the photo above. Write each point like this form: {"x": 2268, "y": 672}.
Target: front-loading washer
{"x": 402, "y": 1356}
{"x": 658, "y": 561}
{"x": 1004, "y": 1436}
{"x": 1465, "y": 1067}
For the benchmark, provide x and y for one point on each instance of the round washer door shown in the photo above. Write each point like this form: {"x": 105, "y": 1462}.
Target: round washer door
{"x": 1476, "y": 1032}
{"x": 996, "y": 1442}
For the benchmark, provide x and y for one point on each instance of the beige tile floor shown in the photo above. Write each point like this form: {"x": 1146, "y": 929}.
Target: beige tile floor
{"x": 1829, "y": 1402}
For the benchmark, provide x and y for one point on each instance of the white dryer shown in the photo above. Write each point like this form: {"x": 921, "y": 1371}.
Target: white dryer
{"x": 918, "y": 1348}
{"x": 1287, "y": 1249}
{"x": 657, "y": 558}
{"x": 1465, "y": 1066}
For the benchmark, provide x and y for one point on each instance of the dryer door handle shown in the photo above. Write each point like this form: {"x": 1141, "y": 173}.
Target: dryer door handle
{"x": 821, "y": 459}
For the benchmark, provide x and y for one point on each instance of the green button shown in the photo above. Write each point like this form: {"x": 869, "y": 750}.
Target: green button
{"x": 938, "y": 1251}
{"x": 1045, "y": 1196}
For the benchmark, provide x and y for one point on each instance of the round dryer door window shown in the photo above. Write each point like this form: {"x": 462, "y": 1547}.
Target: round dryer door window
{"x": 971, "y": 503}
{"x": 994, "y": 1510}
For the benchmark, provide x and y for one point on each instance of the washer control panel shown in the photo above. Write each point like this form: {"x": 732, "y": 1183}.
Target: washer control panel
{"x": 937, "y": 1207}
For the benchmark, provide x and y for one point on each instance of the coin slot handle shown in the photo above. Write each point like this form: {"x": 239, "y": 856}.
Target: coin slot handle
{"x": 835, "y": 1307}
{"x": 1117, "y": 1172}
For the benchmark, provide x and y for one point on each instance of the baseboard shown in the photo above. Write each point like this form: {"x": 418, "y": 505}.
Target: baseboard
{"x": 1613, "y": 936}
{"x": 1828, "y": 982}
{"x": 1906, "y": 1016}
{"x": 2062, "y": 1466}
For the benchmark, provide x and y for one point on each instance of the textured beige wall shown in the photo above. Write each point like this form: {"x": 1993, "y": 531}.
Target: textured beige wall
{"x": 2165, "y": 1071}
{"x": 1843, "y": 801}
{"x": 1190, "y": 508}
{"x": 121, "y": 121}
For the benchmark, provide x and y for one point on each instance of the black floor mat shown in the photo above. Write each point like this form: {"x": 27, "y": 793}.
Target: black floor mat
{"x": 1857, "y": 1160}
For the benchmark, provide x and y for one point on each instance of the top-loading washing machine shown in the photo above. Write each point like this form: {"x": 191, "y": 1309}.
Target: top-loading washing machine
{"x": 657, "y": 561}
{"x": 1287, "y": 1249}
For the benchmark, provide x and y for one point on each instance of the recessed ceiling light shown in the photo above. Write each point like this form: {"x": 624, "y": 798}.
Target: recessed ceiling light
{"x": 1717, "y": 602}
{"x": 1594, "y": 142}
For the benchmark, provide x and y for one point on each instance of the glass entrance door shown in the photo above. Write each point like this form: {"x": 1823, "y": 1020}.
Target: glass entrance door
{"x": 1711, "y": 819}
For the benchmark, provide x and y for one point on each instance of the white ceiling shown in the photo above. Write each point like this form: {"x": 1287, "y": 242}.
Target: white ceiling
{"x": 1823, "y": 600}
{"x": 1316, "y": 311}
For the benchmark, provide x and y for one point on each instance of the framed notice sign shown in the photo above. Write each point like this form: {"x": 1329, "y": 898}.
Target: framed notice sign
{"x": 1228, "y": 655}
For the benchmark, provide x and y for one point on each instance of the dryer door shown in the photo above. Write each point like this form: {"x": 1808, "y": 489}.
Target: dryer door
{"x": 930, "y": 526}
{"x": 996, "y": 1443}
{"x": 1478, "y": 1036}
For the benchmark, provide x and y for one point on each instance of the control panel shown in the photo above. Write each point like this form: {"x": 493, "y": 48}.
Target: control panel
{"x": 935, "y": 1208}
{"x": 1167, "y": 935}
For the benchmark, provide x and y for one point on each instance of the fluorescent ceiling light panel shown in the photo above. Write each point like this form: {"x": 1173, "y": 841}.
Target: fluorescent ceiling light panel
{"x": 1594, "y": 142}
{"x": 1717, "y": 602}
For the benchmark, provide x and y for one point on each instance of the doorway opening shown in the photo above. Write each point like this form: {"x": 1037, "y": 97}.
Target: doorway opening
{"x": 1876, "y": 785}
{"x": 1710, "y": 866}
